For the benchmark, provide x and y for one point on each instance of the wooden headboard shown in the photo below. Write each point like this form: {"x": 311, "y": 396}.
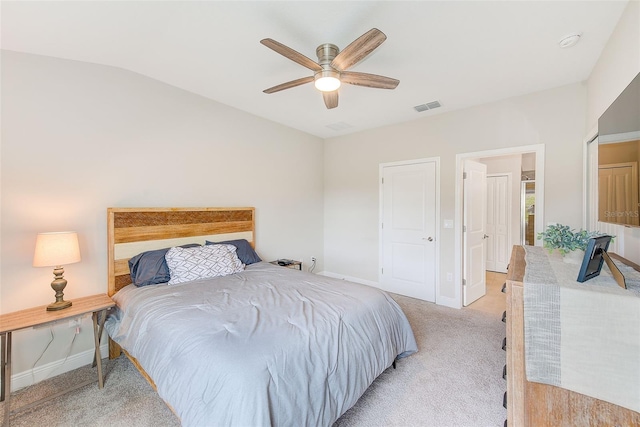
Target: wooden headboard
{"x": 134, "y": 230}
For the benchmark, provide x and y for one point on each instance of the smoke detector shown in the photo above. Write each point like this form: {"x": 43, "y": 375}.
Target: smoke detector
{"x": 569, "y": 40}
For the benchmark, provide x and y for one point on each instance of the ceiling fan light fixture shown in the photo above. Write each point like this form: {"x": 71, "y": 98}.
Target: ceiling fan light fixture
{"x": 327, "y": 80}
{"x": 332, "y": 67}
{"x": 327, "y": 84}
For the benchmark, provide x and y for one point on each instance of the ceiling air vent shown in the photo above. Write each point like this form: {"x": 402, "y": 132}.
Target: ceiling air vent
{"x": 428, "y": 106}
{"x": 339, "y": 126}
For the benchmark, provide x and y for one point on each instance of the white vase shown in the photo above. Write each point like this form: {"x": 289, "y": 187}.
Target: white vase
{"x": 574, "y": 257}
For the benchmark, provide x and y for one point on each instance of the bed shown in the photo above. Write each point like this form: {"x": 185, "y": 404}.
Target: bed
{"x": 263, "y": 346}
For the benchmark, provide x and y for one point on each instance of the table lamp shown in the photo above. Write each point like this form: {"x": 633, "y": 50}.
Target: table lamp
{"x": 55, "y": 250}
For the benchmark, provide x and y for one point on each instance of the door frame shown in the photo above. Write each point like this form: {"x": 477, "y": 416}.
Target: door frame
{"x": 381, "y": 167}
{"x": 538, "y": 149}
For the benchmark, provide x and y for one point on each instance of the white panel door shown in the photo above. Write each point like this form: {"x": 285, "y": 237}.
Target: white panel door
{"x": 409, "y": 230}
{"x": 475, "y": 212}
{"x": 618, "y": 198}
{"x": 497, "y": 227}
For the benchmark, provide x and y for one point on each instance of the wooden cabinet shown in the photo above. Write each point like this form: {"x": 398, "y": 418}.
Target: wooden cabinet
{"x": 534, "y": 404}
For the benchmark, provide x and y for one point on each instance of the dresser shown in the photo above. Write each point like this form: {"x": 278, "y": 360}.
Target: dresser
{"x": 535, "y": 404}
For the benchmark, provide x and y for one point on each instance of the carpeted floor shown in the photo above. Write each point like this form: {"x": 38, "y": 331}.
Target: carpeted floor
{"x": 454, "y": 380}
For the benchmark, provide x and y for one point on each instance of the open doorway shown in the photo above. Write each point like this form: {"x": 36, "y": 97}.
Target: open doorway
{"x": 510, "y": 214}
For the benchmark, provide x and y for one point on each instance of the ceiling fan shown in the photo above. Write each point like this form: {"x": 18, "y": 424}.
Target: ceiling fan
{"x": 331, "y": 69}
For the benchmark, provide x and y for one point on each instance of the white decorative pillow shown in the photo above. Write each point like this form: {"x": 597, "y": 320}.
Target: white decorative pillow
{"x": 202, "y": 262}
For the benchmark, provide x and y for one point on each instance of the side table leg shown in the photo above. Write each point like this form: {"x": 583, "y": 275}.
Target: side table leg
{"x": 98, "y": 358}
{"x": 102, "y": 317}
{"x": 6, "y": 376}
{"x": 3, "y": 341}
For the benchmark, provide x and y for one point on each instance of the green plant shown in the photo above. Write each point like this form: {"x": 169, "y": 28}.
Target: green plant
{"x": 564, "y": 239}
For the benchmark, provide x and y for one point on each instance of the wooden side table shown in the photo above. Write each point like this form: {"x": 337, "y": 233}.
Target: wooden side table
{"x": 98, "y": 305}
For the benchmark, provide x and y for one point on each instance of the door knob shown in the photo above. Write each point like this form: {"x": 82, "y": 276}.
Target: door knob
{"x": 485, "y": 237}
{"x": 428, "y": 238}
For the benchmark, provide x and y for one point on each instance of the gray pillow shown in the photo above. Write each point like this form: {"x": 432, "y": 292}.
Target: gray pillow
{"x": 243, "y": 249}
{"x": 150, "y": 267}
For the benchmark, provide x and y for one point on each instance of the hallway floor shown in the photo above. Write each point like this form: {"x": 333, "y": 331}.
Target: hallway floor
{"x": 494, "y": 301}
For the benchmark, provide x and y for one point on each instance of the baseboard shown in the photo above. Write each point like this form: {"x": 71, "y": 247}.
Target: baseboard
{"x": 40, "y": 373}
{"x": 349, "y": 278}
{"x": 448, "y": 302}
{"x": 440, "y": 300}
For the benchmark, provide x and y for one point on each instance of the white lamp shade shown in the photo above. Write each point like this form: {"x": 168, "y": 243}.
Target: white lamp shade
{"x": 54, "y": 249}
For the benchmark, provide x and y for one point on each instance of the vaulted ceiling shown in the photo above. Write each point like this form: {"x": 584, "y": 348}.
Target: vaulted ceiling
{"x": 460, "y": 53}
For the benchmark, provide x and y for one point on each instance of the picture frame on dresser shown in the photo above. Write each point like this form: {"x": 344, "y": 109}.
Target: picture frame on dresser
{"x": 593, "y": 257}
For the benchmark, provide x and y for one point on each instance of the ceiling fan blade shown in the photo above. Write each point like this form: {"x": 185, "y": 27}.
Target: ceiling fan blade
{"x": 289, "y": 85}
{"x": 368, "y": 80}
{"x": 291, "y": 54}
{"x": 330, "y": 99}
{"x": 358, "y": 49}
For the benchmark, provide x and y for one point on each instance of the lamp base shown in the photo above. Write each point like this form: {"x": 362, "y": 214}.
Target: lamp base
{"x": 58, "y": 305}
{"x": 58, "y": 285}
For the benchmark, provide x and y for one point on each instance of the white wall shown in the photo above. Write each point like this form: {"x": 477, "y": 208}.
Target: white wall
{"x": 555, "y": 118}
{"x": 618, "y": 64}
{"x": 78, "y": 138}
{"x": 616, "y": 67}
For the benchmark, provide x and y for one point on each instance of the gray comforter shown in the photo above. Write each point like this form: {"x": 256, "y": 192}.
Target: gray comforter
{"x": 267, "y": 346}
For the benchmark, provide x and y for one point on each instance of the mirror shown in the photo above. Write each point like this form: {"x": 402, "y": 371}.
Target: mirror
{"x": 527, "y": 209}
{"x": 618, "y": 158}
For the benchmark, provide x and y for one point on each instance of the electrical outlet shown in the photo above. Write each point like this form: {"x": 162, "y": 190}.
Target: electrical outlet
{"x": 449, "y": 277}
{"x": 75, "y": 323}
{"x": 313, "y": 259}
